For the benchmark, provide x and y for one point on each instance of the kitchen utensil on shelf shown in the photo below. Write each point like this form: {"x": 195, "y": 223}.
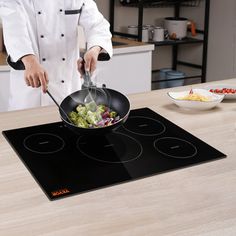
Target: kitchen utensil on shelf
{"x": 150, "y": 30}
{"x": 145, "y": 34}
{"x": 158, "y": 34}
{"x": 175, "y": 78}
{"x": 132, "y": 29}
{"x": 162, "y": 76}
{"x": 177, "y": 27}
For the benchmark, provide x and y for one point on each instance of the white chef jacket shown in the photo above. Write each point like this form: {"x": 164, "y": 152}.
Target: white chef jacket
{"x": 49, "y": 30}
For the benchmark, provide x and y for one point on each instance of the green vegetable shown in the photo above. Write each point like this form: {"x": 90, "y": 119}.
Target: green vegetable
{"x": 73, "y": 116}
{"x": 93, "y": 117}
{"x": 101, "y": 108}
{"x": 91, "y": 106}
{"x": 113, "y": 114}
{"x": 82, "y": 111}
{"x": 80, "y": 122}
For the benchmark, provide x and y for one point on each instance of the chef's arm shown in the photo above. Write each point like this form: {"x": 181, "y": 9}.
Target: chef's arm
{"x": 89, "y": 60}
{"x": 16, "y": 36}
{"x": 35, "y": 74}
{"x": 19, "y": 46}
{"x": 96, "y": 29}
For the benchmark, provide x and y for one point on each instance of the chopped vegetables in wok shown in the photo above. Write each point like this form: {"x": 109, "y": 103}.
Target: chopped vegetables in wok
{"x": 103, "y": 116}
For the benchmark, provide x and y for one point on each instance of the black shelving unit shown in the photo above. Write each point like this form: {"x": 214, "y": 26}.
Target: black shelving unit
{"x": 177, "y": 4}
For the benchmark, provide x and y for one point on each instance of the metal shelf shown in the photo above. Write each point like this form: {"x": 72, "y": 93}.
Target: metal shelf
{"x": 177, "y": 42}
{"x": 162, "y": 3}
{"x": 186, "y": 77}
{"x": 177, "y": 4}
{"x": 187, "y": 40}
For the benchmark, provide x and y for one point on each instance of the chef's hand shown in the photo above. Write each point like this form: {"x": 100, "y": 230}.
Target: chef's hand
{"x": 89, "y": 62}
{"x": 35, "y": 74}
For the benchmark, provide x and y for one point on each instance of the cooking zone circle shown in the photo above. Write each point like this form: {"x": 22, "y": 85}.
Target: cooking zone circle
{"x": 144, "y": 126}
{"x": 111, "y": 148}
{"x": 175, "y": 147}
{"x": 44, "y": 143}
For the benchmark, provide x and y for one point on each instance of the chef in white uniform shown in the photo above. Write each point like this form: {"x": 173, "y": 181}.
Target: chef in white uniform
{"x": 41, "y": 38}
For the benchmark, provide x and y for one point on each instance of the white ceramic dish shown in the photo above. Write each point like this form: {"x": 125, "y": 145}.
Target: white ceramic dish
{"x": 221, "y": 86}
{"x": 196, "y": 105}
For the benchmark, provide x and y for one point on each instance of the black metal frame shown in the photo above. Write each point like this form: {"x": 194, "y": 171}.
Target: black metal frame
{"x": 174, "y": 43}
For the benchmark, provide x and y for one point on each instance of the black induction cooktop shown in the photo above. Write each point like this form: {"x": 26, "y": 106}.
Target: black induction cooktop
{"x": 64, "y": 163}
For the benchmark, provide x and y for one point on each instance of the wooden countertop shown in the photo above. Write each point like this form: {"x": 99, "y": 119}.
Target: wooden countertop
{"x": 4, "y": 67}
{"x": 127, "y": 42}
{"x": 3, "y": 57}
{"x": 130, "y": 46}
{"x": 199, "y": 200}
{"x": 124, "y": 46}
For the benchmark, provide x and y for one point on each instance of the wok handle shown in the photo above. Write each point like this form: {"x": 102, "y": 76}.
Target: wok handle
{"x": 67, "y": 117}
{"x": 50, "y": 95}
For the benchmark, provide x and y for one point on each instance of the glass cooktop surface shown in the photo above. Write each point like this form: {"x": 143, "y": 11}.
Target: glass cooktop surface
{"x": 64, "y": 163}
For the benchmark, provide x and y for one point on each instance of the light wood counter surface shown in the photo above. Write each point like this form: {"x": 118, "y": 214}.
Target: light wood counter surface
{"x": 3, "y": 62}
{"x": 198, "y": 200}
{"x": 3, "y": 58}
{"x": 130, "y": 46}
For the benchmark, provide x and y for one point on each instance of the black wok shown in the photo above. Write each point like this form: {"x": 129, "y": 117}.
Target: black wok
{"x": 112, "y": 98}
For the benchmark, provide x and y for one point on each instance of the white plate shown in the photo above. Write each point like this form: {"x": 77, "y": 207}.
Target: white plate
{"x": 221, "y": 86}
{"x": 196, "y": 105}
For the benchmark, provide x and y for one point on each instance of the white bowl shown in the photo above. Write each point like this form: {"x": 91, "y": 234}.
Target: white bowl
{"x": 196, "y": 105}
{"x": 221, "y": 86}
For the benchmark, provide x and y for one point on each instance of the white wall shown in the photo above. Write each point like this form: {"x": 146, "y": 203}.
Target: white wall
{"x": 222, "y": 35}
{"x": 103, "y": 6}
{"x": 222, "y": 40}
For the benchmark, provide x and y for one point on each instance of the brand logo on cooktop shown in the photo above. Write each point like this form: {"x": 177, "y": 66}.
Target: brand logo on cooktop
{"x": 60, "y": 192}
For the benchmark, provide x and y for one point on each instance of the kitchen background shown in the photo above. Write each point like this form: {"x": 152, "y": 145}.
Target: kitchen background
{"x": 222, "y": 34}
{"x": 221, "y": 46}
